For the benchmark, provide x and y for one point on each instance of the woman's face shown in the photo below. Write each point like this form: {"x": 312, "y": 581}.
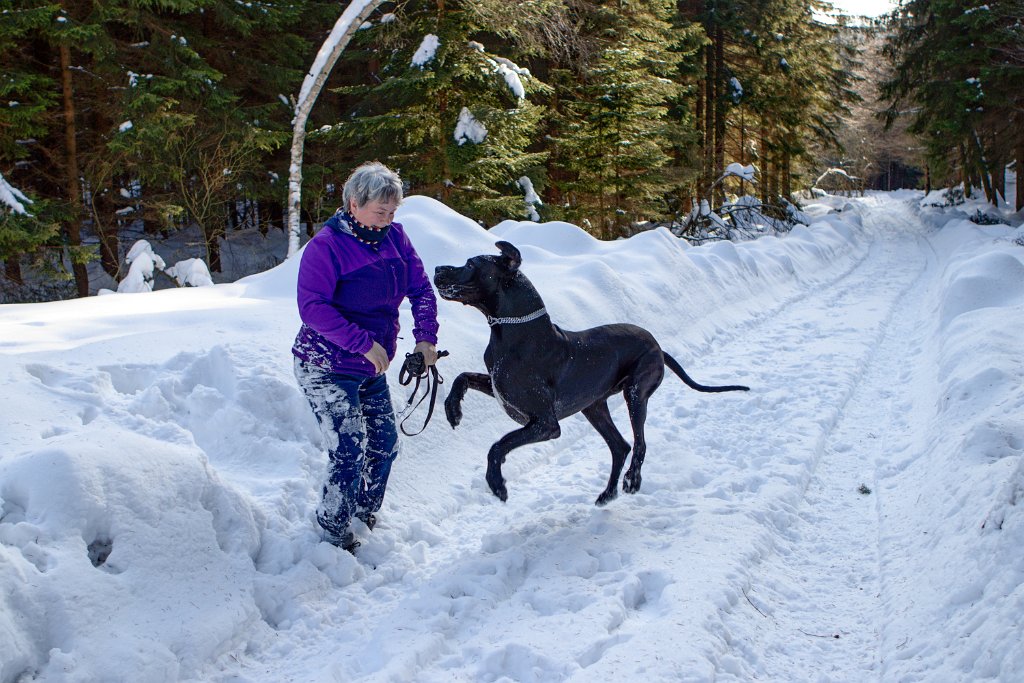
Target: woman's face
{"x": 375, "y": 214}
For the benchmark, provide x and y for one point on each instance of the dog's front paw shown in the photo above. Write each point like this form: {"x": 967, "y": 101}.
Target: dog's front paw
{"x": 453, "y": 411}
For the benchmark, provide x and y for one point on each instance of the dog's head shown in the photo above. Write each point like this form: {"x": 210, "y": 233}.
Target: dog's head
{"x": 479, "y": 281}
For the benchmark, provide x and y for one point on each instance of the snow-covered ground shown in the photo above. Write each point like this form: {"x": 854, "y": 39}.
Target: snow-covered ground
{"x": 856, "y": 516}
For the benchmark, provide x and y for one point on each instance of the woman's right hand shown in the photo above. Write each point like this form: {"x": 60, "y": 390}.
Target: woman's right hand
{"x": 379, "y": 357}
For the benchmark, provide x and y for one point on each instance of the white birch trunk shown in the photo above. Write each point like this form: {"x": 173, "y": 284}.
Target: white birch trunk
{"x": 357, "y": 12}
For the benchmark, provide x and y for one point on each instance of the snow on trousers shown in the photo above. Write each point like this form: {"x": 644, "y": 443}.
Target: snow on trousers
{"x": 357, "y": 420}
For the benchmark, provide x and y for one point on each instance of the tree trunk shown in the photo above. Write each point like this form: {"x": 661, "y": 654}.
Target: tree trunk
{"x": 773, "y": 176}
{"x": 1020, "y": 174}
{"x": 998, "y": 173}
{"x": 965, "y": 172}
{"x": 743, "y": 148}
{"x": 720, "y": 110}
{"x": 765, "y": 166}
{"x": 787, "y": 190}
{"x": 109, "y": 247}
{"x": 72, "y": 224}
{"x": 983, "y": 169}
{"x": 212, "y": 233}
{"x": 357, "y": 12}
{"x": 149, "y": 225}
{"x": 310, "y": 223}
{"x": 698, "y": 121}
{"x": 710, "y": 102}
{"x": 275, "y": 212}
{"x": 105, "y": 226}
{"x": 986, "y": 184}
{"x": 271, "y": 215}
{"x": 12, "y": 269}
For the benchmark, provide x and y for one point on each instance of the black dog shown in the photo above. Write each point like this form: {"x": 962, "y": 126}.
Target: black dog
{"x": 541, "y": 373}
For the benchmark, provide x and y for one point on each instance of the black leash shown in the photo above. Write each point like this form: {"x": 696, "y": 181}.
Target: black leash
{"x": 415, "y": 367}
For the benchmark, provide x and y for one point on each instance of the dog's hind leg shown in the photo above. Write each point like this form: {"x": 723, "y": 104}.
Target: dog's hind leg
{"x": 637, "y": 417}
{"x": 536, "y": 430}
{"x": 599, "y": 417}
{"x": 637, "y": 395}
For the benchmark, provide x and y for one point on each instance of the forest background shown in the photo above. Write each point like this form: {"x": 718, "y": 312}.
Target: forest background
{"x": 143, "y": 119}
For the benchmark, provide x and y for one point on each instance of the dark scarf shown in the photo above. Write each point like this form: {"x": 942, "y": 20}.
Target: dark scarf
{"x": 364, "y": 233}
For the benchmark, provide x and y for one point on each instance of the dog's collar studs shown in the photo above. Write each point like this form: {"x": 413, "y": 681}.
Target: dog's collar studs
{"x": 515, "y": 321}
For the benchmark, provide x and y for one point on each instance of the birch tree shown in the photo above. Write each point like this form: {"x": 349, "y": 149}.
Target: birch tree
{"x": 357, "y": 12}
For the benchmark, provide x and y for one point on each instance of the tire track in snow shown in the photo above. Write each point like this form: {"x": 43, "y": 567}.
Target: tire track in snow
{"x": 812, "y": 608}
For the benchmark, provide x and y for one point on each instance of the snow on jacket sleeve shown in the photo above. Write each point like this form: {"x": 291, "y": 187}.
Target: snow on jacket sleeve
{"x": 420, "y": 294}
{"x": 318, "y": 276}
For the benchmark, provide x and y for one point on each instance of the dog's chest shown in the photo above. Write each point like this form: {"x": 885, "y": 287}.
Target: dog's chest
{"x": 515, "y": 390}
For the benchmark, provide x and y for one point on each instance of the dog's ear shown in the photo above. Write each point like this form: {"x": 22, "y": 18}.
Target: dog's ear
{"x": 512, "y": 256}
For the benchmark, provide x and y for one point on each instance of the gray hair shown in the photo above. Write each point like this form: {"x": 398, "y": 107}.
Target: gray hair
{"x": 372, "y": 181}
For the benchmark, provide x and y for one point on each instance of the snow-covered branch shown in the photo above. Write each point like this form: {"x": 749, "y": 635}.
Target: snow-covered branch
{"x": 11, "y": 197}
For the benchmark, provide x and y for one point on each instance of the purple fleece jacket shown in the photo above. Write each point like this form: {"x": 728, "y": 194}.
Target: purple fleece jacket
{"x": 349, "y": 293}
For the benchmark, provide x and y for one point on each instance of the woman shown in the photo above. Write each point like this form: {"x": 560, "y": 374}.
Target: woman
{"x": 352, "y": 277}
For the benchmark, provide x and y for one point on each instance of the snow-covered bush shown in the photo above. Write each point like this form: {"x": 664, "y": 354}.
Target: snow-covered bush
{"x": 838, "y": 182}
{"x": 743, "y": 218}
{"x": 740, "y": 218}
{"x": 949, "y": 196}
{"x": 144, "y": 263}
{"x": 980, "y": 217}
{"x": 191, "y": 273}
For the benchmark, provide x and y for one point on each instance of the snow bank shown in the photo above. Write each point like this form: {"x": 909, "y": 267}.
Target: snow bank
{"x": 159, "y": 474}
{"x": 961, "y": 536}
{"x": 681, "y": 292}
{"x": 125, "y": 556}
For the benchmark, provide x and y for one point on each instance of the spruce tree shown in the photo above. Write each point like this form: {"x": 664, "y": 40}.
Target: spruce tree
{"x": 614, "y": 135}
{"x": 27, "y": 95}
{"x": 796, "y": 85}
{"x": 139, "y": 84}
{"x": 954, "y": 69}
{"x": 451, "y": 114}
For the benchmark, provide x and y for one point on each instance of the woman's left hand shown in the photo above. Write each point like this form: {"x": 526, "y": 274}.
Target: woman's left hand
{"x": 429, "y": 352}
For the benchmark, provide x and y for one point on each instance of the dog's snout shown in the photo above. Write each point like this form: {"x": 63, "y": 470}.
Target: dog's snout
{"x": 442, "y": 272}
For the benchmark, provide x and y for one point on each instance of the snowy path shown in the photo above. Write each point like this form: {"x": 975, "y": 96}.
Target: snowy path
{"x": 819, "y": 597}
{"x": 748, "y": 550}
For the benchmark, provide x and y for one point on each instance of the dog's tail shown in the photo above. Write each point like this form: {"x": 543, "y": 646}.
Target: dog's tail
{"x": 678, "y": 369}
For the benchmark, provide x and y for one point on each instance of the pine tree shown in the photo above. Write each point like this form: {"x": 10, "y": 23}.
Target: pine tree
{"x": 788, "y": 85}
{"x": 137, "y": 85}
{"x": 954, "y": 69}
{"x": 45, "y": 55}
{"x": 452, "y": 116}
{"x": 27, "y": 95}
{"x": 614, "y": 136}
